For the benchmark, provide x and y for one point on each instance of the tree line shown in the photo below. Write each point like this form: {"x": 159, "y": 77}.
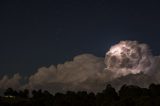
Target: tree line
{"x": 128, "y": 95}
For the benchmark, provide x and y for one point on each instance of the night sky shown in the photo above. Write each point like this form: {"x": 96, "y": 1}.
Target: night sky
{"x": 36, "y": 33}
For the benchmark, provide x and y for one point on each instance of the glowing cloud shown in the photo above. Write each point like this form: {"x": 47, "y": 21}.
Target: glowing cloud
{"x": 128, "y": 57}
{"x": 127, "y": 62}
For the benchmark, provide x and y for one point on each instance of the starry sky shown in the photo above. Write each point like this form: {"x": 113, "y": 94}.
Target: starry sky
{"x": 36, "y": 33}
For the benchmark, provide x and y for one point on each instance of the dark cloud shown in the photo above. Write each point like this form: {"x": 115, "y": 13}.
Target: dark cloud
{"x": 140, "y": 79}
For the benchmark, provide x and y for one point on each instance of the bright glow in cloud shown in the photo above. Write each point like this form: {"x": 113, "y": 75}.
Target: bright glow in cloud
{"x": 128, "y": 57}
{"x": 127, "y": 62}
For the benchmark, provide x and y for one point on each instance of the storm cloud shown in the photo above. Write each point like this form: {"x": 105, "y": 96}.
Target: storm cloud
{"x": 127, "y": 62}
{"x": 129, "y": 57}
{"x": 85, "y": 72}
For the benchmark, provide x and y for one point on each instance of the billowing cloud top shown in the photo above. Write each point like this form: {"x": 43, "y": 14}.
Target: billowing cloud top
{"x": 128, "y": 62}
{"x": 128, "y": 57}
{"x": 81, "y": 73}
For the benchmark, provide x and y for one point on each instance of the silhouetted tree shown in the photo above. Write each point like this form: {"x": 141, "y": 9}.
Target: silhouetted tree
{"x": 24, "y": 93}
{"x": 130, "y": 91}
{"x": 107, "y": 97}
{"x": 129, "y": 95}
{"x": 59, "y": 100}
{"x": 154, "y": 90}
{"x": 10, "y": 92}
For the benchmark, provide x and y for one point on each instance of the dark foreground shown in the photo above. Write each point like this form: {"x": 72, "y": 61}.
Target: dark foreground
{"x": 126, "y": 96}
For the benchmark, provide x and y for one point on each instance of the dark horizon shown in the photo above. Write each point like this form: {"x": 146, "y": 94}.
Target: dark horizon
{"x": 127, "y": 95}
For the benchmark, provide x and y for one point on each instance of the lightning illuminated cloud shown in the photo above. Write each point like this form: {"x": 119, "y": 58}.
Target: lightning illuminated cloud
{"x": 127, "y": 62}
{"x": 129, "y": 57}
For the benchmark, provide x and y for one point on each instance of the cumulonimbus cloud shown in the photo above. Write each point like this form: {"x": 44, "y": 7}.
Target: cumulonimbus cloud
{"x": 128, "y": 62}
{"x": 129, "y": 57}
{"x": 85, "y": 72}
